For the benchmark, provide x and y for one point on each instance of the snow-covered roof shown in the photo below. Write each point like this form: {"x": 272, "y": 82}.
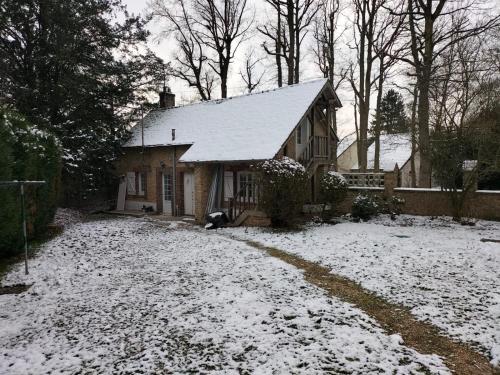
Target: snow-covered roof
{"x": 394, "y": 149}
{"x": 248, "y": 127}
{"x": 345, "y": 142}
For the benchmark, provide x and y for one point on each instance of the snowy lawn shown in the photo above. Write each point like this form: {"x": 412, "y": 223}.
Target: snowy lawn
{"x": 135, "y": 296}
{"x": 438, "y": 268}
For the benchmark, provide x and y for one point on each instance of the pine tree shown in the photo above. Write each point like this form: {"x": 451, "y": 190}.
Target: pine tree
{"x": 392, "y": 113}
{"x": 74, "y": 68}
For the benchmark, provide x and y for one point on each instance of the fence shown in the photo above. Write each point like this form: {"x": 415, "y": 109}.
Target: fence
{"x": 365, "y": 179}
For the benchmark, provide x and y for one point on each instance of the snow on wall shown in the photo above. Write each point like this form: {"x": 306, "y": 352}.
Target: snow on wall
{"x": 248, "y": 127}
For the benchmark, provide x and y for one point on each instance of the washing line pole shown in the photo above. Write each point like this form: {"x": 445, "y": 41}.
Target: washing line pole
{"x": 23, "y": 212}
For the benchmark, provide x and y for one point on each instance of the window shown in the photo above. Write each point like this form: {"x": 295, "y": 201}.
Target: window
{"x": 246, "y": 184}
{"x": 167, "y": 187}
{"x": 299, "y": 135}
{"x": 303, "y": 132}
{"x": 131, "y": 183}
{"x": 141, "y": 184}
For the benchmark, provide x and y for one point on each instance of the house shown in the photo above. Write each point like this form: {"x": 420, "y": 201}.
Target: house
{"x": 197, "y": 158}
{"x": 395, "y": 156}
{"x": 347, "y": 151}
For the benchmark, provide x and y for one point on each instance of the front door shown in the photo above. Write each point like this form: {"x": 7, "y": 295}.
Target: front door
{"x": 188, "y": 193}
{"x": 167, "y": 193}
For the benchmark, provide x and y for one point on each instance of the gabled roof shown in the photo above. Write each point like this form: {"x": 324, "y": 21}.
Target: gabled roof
{"x": 394, "y": 149}
{"x": 248, "y": 127}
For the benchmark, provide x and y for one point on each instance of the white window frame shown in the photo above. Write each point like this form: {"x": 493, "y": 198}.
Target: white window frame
{"x": 245, "y": 177}
{"x": 299, "y": 134}
{"x": 141, "y": 183}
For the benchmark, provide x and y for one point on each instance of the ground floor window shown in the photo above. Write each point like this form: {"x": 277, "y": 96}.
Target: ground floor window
{"x": 136, "y": 183}
{"x": 141, "y": 183}
{"x": 247, "y": 185}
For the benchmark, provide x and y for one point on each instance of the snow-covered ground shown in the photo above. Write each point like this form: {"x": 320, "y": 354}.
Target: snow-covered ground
{"x": 438, "y": 268}
{"x": 135, "y": 296}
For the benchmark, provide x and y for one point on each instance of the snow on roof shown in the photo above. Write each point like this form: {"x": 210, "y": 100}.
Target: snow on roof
{"x": 248, "y": 127}
{"x": 345, "y": 142}
{"x": 394, "y": 149}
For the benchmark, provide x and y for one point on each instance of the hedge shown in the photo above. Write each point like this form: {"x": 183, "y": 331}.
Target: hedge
{"x": 26, "y": 153}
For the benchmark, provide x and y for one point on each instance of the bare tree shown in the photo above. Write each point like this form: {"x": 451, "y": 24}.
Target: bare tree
{"x": 219, "y": 25}
{"x": 275, "y": 33}
{"x": 326, "y": 38}
{"x": 222, "y": 26}
{"x": 190, "y": 63}
{"x": 434, "y": 27}
{"x": 250, "y": 76}
{"x": 371, "y": 24}
{"x": 387, "y": 51}
{"x": 294, "y": 18}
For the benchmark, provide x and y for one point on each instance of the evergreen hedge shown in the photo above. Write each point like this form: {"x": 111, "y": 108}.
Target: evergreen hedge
{"x": 283, "y": 190}
{"x": 26, "y": 153}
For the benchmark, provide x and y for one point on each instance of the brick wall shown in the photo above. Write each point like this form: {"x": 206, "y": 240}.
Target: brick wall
{"x": 431, "y": 202}
{"x": 202, "y": 179}
{"x": 150, "y": 162}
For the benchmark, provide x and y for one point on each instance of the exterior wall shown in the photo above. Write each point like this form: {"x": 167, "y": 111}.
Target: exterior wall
{"x": 290, "y": 147}
{"x": 202, "y": 181}
{"x": 150, "y": 163}
{"x": 348, "y": 159}
{"x": 405, "y": 175}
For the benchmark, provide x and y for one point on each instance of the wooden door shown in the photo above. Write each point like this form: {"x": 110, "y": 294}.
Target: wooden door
{"x": 188, "y": 193}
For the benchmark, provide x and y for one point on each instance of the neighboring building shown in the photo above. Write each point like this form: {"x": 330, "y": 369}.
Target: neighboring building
{"x": 347, "y": 151}
{"x": 395, "y": 155}
{"x": 197, "y": 158}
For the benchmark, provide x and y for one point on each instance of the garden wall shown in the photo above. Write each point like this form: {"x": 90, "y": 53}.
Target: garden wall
{"x": 483, "y": 204}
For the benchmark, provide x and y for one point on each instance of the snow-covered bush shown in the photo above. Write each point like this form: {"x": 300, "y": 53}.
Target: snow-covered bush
{"x": 332, "y": 189}
{"x": 283, "y": 190}
{"x": 395, "y": 205}
{"x": 365, "y": 206}
{"x": 26, "y": 153}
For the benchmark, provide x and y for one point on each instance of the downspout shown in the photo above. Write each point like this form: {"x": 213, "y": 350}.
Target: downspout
{"x": 174, "y": 178}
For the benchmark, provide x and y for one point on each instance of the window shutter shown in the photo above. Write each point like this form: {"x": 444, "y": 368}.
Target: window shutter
{"x": 131, "y": 183}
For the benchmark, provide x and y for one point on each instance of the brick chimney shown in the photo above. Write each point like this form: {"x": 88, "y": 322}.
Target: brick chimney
{"x": 167, "y": 99}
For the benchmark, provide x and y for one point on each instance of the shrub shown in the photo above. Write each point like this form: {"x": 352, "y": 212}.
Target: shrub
{"x": 365, "y": 206}
{"x": 26, "y": 153}
{"x": 395, "y": 205}
{"x": 332, "y": 189}
{"x": 283, "y": 190}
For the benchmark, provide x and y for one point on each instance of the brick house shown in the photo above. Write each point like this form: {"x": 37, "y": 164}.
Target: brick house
{"x": 195, "y": 159}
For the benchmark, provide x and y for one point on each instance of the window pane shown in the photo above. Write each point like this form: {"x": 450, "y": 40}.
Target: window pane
{"x": 167, "y": 187}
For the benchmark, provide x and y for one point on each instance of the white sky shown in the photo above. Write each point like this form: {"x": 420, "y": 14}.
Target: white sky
{"x": 166, "y": 49}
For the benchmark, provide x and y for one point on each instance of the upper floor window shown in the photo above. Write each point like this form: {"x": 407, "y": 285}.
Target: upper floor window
{"x": 303, "y": 132}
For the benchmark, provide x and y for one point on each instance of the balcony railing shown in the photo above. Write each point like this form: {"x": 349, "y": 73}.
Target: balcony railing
{"x": 317, "y": 147}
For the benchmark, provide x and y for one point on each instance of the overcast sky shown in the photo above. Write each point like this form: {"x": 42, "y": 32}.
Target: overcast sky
{"x": 166, "y": 49}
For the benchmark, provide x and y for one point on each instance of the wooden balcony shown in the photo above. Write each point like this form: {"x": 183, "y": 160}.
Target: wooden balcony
{"x": 317, "y": 148}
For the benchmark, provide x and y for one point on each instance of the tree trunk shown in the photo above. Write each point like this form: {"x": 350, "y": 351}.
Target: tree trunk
{"x": 376, "y": 165}
{"x": 278, "y": 50}
{"x": 291, "y": 36}
{"x": 413, "y": 130}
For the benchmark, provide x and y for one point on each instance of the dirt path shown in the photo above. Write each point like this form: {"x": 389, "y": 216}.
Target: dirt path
{"x": 423, "y": 337}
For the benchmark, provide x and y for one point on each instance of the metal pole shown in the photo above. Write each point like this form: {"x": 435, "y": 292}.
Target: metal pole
{"x": 24, "y": 231}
